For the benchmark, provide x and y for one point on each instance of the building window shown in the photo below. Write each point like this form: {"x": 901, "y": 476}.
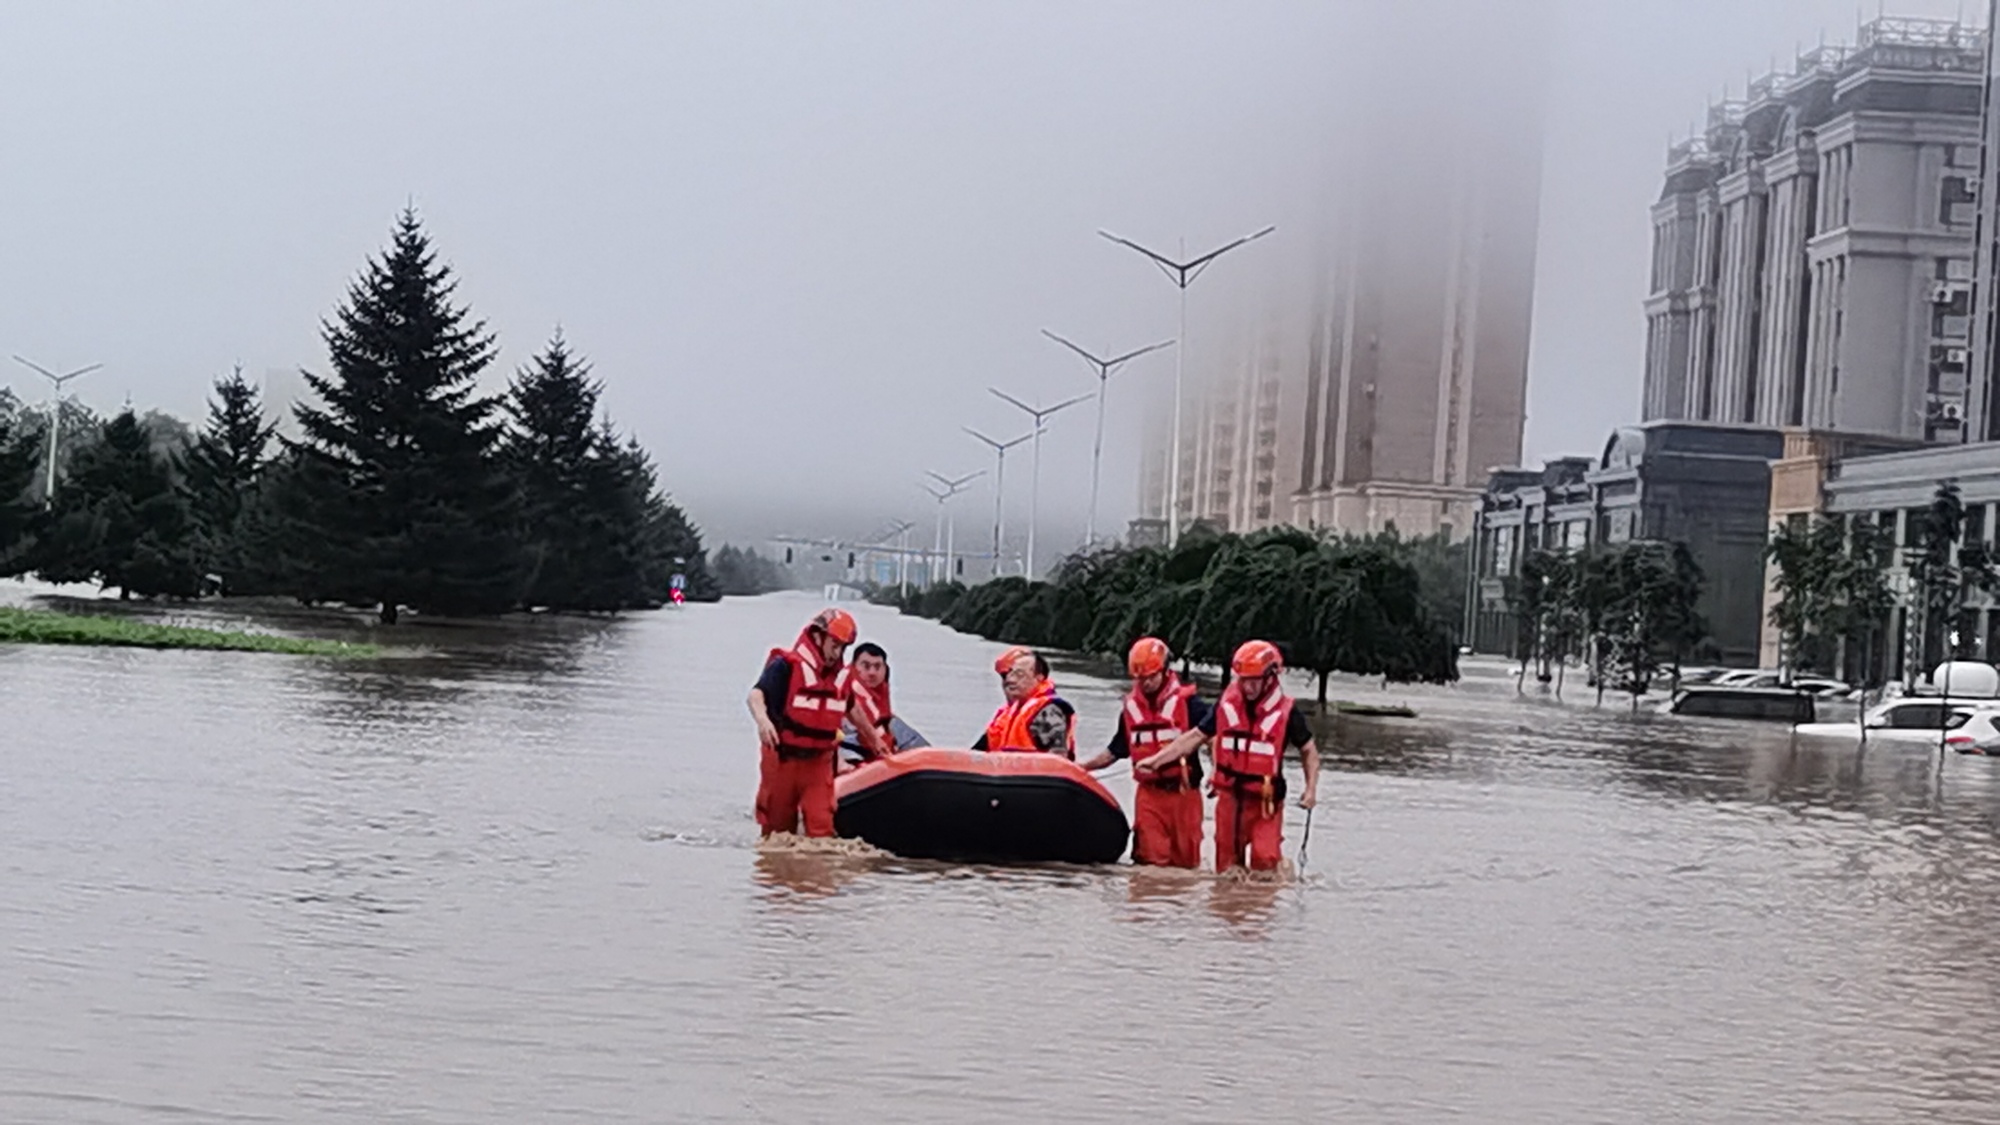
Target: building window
{"x": 1618, "y": 526}
{"x": 1975, "y": 524}
{"x": 1955, "y": 199}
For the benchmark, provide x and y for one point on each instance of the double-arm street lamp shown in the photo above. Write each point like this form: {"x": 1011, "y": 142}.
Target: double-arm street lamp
{"x": 1182, "y": 274}
{"x": 1102, "y": 368}
{"x": 1041, "y": 415}
{"x": 55, "y": 415}
{"x": 1000, "y": 449}
{"x": 946, "y": 488}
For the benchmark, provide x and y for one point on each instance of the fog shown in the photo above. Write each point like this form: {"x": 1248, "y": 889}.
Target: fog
{"x": 799, "y": 242}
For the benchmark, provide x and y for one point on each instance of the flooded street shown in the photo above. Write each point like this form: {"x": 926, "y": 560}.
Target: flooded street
{"x": 515, "y": 879}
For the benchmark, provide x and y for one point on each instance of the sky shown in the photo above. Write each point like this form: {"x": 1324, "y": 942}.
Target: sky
{"x": 800, "y": 242}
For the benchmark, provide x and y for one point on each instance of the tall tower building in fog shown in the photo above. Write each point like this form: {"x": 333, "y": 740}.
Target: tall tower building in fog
{"x": 1387, "y": 377}
{"x": 1813, "y": 247}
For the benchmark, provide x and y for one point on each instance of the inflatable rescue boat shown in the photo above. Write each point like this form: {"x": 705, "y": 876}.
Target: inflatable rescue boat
{"x": 977, "y": 807}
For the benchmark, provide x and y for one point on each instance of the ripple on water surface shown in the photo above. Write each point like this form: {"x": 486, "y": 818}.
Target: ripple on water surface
{"x": 515, "y": 878}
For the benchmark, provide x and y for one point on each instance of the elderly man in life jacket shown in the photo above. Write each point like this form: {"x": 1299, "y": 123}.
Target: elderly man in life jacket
{"x": 799, "y": 702}
{"x": 1250, "y": 727}
{"x": 1033, "y": 717}
{"x": 1166, "y": 812}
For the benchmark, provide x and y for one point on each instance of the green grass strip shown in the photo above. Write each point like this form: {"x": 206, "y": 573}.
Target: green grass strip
{"x": 43, "y": 627}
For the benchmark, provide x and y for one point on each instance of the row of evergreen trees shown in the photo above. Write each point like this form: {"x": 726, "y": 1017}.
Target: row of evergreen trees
{"x": 742, "y": 572}
{"x": 406, "y": 488}
{"x": 1376, "y": 605}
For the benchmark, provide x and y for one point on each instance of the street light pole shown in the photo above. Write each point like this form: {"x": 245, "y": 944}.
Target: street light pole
{"x": 1000, "y": 449}
{"x": 1182, "y": 274}
{"x": 55, "y": 416}
{"x": 1041, "y": 415}
{"x": 950, "y": 488}
{"x": 903, "y": 562}
{"x": 1103, "y": 369}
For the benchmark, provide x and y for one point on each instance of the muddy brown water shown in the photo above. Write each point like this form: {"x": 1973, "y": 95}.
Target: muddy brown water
{"x": 515, "y": 879}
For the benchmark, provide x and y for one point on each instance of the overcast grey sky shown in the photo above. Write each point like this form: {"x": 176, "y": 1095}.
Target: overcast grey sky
{"x": 797, "y": 240}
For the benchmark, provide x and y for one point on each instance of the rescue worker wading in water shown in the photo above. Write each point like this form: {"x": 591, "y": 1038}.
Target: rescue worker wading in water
{"x": 1166, "y": 811}
{"x": 799, "y": 703}
{"x": 1250, "y": 727}
{"x": 1034, "y": 717}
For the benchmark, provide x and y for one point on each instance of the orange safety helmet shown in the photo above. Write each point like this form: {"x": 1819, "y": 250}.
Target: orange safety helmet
{"x": 838, "y": 624}
{"x": 1004, "y": 663}
{"x": 1148, "y": 655}
{"x": 1254, "y": 658}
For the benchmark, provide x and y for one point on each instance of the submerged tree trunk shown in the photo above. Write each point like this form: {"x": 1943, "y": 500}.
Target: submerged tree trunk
{"x": 1322, "y": 691}
{"x": 388, "y": 614}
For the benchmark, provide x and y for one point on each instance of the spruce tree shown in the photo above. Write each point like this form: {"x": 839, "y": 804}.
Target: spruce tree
{"x": 670, "y": 542}
{"x": 568, "y": 520}
{"x": 600, "y": 536}
{"x": 400, "y": 495}
{"x": 18, "y": 509}
{"x": 222, "y": 471}
{"x": 119, "y": 519}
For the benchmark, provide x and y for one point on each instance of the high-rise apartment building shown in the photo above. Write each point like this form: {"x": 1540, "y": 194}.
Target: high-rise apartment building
{"x": 1812, "y": 248}
{"x": 1381, "y": 390}
{"x": 1983, "y": 405}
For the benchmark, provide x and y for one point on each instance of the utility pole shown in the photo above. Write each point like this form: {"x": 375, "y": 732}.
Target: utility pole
{"x": 1041, "y": 415}
{"x": 1182, "y": 274}
{"x": 1103, "y": 369}
{"x": 948, "y": 487}
{"x": 1000, "y": 449}
{"x": 55, "y": 416}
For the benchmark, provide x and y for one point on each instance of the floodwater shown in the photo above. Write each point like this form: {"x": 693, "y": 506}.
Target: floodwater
{"x": 514, "y": 878}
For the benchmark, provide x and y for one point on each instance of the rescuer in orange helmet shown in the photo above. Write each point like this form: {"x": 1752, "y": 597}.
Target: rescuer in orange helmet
{"x": 1166, "y": 810}
{"x": 799, "y": 703}
{"x": 1251, "y": 727}
{"x": 1033, "y": 717}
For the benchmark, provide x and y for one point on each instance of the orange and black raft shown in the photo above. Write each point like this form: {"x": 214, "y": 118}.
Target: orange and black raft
{"x": 977, "y": 807}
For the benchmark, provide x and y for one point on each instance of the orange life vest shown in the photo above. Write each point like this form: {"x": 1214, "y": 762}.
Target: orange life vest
{"x": 875, "y": 704}
{"x": 1151, "y": 728}
{"x": 1009, "y": 728}
{"x": 1250, "y": 743}
{"x": 816, "y": 702}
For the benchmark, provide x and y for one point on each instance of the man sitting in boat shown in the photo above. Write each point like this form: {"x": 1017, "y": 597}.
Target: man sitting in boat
{"x": 1166, "y": 810}
{"x": 1034, "y": 717}
{"x": 871, "y": 690}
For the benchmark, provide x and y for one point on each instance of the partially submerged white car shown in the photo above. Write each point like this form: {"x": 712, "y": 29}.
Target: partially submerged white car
{"x": 1969, "y": 726}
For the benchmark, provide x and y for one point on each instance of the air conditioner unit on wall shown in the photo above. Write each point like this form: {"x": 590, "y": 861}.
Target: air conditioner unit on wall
{"x": 1951, "y": 413}
{"x": 1941, "y": 292}
{"x": 1955, "y": 356}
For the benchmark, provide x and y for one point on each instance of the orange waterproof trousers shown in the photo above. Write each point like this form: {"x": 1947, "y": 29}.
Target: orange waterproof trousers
{"x": 1241, "y": 822}
{"x": 790, "y": 787}
{"x": 1166, "y": 826}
